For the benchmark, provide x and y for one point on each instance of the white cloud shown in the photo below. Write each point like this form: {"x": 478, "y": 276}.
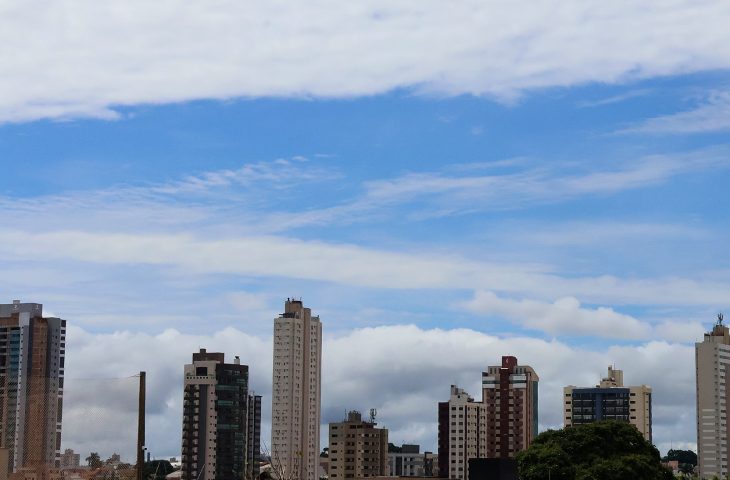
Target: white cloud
{"x": 89, "y": 58}
{"x": 442, "y": 193}
{"x": 567, "y": 317}
{"x": 711, "y": 116}
{"x": 346, "y": 264}
{"x": 401, "y": 370}
{"x": 622, "y": 97}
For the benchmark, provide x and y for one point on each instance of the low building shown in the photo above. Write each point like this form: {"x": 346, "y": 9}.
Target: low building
{"x": 430, "y": 464}
{"x": 493, "y": 469}
{"x": 609, "y": 400}
{"x": 357, "y": 449}
{"x": 405, "y": 461}
{"x": 70, "y": 459}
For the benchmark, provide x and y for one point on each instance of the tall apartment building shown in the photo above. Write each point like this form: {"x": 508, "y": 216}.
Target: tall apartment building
{"x": 296, "y": 393}
{"x": 509, "y": 393}
{"x": 609, "y": 400}
{"x": 32, "y": 353}
{"x": 406, "y": 461}
{"x": 461, "y": 435}
{"x": 221, "y": 421}
{"x": 712, "y": 357}
{"x": 358, "y": 449}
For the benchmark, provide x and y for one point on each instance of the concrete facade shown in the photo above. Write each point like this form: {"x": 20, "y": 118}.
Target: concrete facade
{"x": 216, "y": 420}
{"x": 609, "y": 400}
{"x": 358, "y": 449}
{"x": 462, "y": 434}
{"x": 296, "y": 393}
{"x": 712, "y": 357}
{"x": 32, "y": 357}
{"x": 510, "y": 394}
{"x": 70, "y": 459}
{"x": 406, "y": 461}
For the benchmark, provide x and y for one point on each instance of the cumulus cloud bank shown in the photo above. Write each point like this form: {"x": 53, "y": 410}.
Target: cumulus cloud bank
{"x": 402, "y": 370}
{"x": 173, "y": 51}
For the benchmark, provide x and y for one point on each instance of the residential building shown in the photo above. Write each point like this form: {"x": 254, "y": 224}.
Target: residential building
{"x": 712, "y": 357}
{"x": 406, "y": 460}
{"x": 430, "y": 464}
{"x": 509, "y": 393}
{"x": 296, "y": 393}
{"x": 461, "y": 434}
{"x": 609, "y": 400}
{"x": 253, "y": 436}
{"x": 32, "y": 354}
{"x": 70, "y": 459}
{"x": 216, "y": 419}
{"x": 358, "y": 449}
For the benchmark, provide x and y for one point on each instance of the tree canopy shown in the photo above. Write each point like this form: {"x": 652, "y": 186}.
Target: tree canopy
{"x": 157, "y": 469}
{"x": 682, "y": 456}
{"x": 94, "y": 460}
{"x": 605, "y": 450}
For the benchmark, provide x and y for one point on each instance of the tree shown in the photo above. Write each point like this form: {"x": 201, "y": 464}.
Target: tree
{"x": 605, "y": 450}
{"x": 157, "y": 469}
{"x": 687, "y": 460}
{"x": 94, "y": 460}
{"x": 682, "y": 456}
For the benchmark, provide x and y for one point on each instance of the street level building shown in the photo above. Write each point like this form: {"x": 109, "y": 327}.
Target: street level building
{"x": 609, "y": 400}
{"x": 358, "y": 449}
{"x": 70, "y": 459}
{"x": 218, "y": 413}
{"x": 32, "y": 354}
{"x": 712, "y": 357}
{"x": 406, "y": 461}
{"x": 510, "y": 394}
{"x": 296, "y": 393}
{"x": 461, "y": 434}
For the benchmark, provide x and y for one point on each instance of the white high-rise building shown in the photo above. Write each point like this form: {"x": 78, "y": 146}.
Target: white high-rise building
{"x": 295, "y": 410}
{"x": 712, "y": 357}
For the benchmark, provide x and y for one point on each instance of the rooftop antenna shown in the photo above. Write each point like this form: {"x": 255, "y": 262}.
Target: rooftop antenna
{"x": 373, "y": 414}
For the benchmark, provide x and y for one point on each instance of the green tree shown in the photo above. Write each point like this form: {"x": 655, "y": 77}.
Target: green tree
{"x": 94, "y": 460}
{"x": 596, "y": 451}
{"x": 157, "y": 469}
{"x": 682, "y": 456}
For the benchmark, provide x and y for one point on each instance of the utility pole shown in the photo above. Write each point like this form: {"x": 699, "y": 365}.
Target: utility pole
{"x": 140, "y": 425}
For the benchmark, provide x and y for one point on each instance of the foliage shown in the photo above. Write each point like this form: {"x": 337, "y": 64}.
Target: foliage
{"x": 605, "y": 450}
{"x": 682, "y": 456}
{"x": 157, "y": 469}
{"x": 94, "y": 460}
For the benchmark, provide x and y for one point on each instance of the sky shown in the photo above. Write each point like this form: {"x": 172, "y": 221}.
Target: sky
{"x": 442, "y": 183}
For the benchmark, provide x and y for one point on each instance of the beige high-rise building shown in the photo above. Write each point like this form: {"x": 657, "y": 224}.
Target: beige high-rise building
{"x": 296, "y": 393}
{"x": 462, "y": 434}
{"x": 358, "y": 449}
{"x": 609, "y": 400}
{"x": 712, "y": 357}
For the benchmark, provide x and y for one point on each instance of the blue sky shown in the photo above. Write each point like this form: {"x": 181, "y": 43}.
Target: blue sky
{"x": 410, "y": 174}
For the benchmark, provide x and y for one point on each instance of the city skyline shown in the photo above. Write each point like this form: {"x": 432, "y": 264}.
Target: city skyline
{"x": 443, "y": 184}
